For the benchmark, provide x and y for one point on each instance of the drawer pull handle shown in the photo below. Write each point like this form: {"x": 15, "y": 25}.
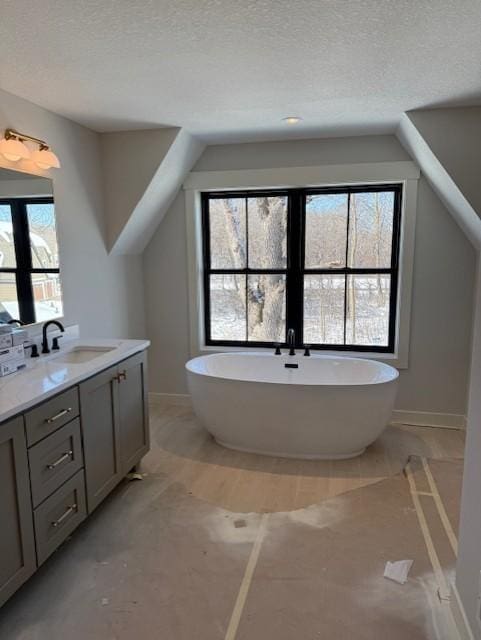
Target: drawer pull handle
{"x": 64, "y": 516}
{"x": 62, "y": 458}
{"x": 58, "y": 415}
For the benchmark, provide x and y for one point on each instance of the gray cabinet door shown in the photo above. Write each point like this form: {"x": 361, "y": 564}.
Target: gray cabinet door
{"x": 99, "y": 414}
{"x": 17, "y": 549}
{"x": 133, "y": 412}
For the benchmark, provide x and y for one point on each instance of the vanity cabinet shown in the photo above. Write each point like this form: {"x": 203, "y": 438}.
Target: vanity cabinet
{"x": 17, "y": 548}
{"x": 113, "y": 406}
{"x": 61, "y": 458}
{"x": 99, "y": 406}
{"x": 133, "y": 422}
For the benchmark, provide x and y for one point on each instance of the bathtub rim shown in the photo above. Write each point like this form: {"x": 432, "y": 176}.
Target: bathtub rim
{"x": 203, "y": 374}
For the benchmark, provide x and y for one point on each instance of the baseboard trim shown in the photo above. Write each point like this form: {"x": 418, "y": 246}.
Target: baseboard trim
{"x": 428, "y": 419}
{"x": 459, "y": 615}
{"x": 176, "y": 399}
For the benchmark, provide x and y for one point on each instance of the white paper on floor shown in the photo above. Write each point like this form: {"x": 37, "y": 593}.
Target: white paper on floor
{"x": 398, "y": 571}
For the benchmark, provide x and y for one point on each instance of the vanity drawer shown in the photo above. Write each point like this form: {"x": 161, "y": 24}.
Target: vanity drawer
{"x": 55, "y": 460}
{"x": 59, "y": 515}
{"x": 52, "y": 414}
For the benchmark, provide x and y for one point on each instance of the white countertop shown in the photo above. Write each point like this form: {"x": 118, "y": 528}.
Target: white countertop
{"x": 46, "y": 376}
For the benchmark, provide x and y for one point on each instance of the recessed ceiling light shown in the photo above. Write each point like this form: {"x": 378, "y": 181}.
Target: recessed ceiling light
{"x": 292, "y": 120}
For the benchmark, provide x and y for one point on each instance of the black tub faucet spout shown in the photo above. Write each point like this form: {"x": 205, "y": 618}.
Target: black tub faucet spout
{"x": 291, "y": 342}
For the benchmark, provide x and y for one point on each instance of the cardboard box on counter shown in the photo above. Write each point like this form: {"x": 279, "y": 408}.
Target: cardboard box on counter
{"x": 12, "y": 336}
{"x": 5, "y": 340}
{"x": 12, "y": 353}
{"x": 19, "y": 336}
{"x": 6, "y": 328}
{"x": 12, "y": 366}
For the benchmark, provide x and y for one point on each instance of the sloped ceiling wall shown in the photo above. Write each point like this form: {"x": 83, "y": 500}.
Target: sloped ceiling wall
{"x": 454, "y": 135}
{"x": 142, "y": 172}
{"x": 446, "y": 143}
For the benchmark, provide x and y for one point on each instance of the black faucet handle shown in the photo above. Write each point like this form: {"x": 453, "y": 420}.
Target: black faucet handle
{"x": 307, "y": 349}
{"x": 55, "y": 340}
{"x": 278, "y": 351}
{"x": 34, "y": 349}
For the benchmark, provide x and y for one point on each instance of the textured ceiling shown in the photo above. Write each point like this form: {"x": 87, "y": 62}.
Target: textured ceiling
{"x": 231, "y": 69}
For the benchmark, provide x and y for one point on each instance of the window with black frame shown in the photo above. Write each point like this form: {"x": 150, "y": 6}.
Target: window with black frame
{"x": 323, "y": 262}
{"x": 29, "y": 269}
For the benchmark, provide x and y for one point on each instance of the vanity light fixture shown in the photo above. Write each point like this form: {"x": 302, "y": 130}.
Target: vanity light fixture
{"x": 45, "y": 158}
{"x": 13, "y": 148}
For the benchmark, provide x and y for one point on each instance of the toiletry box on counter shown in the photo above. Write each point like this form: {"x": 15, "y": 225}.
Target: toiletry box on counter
{"x": 61, "y": 457}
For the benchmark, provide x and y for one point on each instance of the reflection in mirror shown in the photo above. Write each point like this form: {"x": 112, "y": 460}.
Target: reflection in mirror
{"x": 30, "y": 288}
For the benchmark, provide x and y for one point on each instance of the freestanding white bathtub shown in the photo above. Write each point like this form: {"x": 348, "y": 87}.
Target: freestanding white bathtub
{"x": 329, "y": 407}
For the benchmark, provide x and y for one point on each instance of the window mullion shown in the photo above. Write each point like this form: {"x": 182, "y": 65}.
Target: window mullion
{"x": 348, "y": 222}
{"x": 206, "y": 265}
{"x": 294, "y": 280}
{"x": 395, "y": 247}
{"x": 247, "y": 268}
{"x": 23, "y": 256}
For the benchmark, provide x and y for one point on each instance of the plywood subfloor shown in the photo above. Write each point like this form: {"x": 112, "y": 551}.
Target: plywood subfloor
{"x": 218, "y": 545}
{"x": 244, "y": 482}
{"x": 319, "y": 572}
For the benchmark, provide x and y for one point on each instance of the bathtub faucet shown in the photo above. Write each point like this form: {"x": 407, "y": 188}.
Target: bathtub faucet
{"x": 291, "y": 342}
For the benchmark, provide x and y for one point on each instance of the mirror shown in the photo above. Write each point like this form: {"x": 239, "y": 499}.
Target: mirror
{"x": 30, "y": 288}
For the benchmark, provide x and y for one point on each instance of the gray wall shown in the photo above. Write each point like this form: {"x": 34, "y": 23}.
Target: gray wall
{"x": 469, "y": 558}
{"x": 130, "y": 160}
{"x": 166, "y": 302}
{"x": 441, "y": 312}
{"x": 301, "y": 153}
{"x": 104, "y": 294}
{"x": 442, "y": 289}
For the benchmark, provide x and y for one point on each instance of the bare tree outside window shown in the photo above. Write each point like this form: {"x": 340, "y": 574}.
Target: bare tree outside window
{"x": 261, "y": 296}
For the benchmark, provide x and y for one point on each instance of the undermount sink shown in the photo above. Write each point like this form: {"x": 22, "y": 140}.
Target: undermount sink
{"x": 79, "y": 354}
